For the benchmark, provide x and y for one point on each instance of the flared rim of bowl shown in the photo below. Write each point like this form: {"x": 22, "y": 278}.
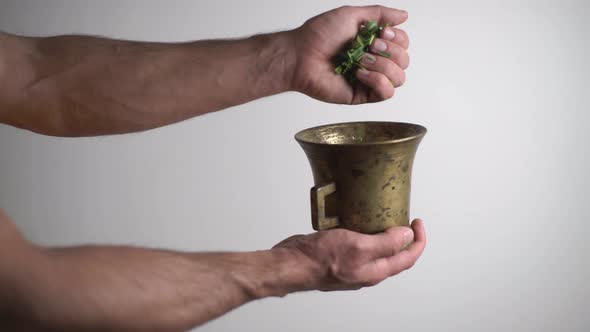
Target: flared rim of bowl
{"x": 420, "y": 132}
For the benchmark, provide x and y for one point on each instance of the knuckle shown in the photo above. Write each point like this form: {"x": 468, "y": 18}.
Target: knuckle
{"x": 378, "y": 8}
{"x": 406, "y": 60}
{"x": 385, "y": 88}
{"x": 403, "y": 38}
{"x": 409, "y": 264}
{"x": 403, "y": 59}
{"x": 361, "y": 280}
{"x": 386, "y": 94}
{"x": 370, "y": 61}
{"x": 345, "y": 8}
{"x": 395, "y": 73}
{"x": 357, "y": 247}
{"x": 382, "y": 81}
{"x": 334, "y": 270}
{"x": 340, "y": 274}
{"x": 339, "y": 233}
{"x": 372, "y": 282}
{"x": 400, "y": 78}
{"x": 399, "y": 55}
{"x": 374, "y": 279}
{"x": 397, "y": 242}
{"x": 392, "y": 93}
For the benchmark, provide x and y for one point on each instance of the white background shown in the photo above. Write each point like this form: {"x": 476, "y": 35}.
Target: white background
{"x": 501, "y": 179}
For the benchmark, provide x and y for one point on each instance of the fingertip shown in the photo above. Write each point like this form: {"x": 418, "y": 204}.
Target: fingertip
{"x": 417, "y": 223}
{"x": 385, "y": 15}
{"x": 419, "y": 231}
{"x": 405, "y": 13}
{"x": 401, "y": 17}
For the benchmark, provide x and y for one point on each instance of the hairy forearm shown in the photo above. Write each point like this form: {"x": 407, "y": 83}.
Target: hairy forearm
{"x": 81, "y": 86}
{"x": 133, "y": 289}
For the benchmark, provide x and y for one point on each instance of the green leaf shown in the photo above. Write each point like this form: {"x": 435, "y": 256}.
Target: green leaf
{"x": 384, "y": 54}
{"x": 348, "y": 61}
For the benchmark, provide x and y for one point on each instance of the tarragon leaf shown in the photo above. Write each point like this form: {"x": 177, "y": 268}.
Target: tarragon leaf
{"x": 348, "y": 61}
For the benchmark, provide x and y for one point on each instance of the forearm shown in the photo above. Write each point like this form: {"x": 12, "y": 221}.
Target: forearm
{"x": 79, "y": 86}
{"x": 133, "y": 289}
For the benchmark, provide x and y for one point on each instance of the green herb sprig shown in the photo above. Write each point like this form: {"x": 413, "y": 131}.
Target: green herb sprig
{"x": 347, "y": 62}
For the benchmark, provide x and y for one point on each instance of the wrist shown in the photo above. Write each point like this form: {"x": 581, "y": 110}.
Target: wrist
{"x": 276, "y": 273}
{"x": 277, "y": 59}
{"x": 297, "y": 272}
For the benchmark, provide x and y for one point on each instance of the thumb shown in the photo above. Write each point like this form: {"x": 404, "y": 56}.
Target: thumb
{"x": 383, "y": 15}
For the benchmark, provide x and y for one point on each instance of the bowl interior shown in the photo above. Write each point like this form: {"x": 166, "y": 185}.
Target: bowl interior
{"x": 359, "y": 133}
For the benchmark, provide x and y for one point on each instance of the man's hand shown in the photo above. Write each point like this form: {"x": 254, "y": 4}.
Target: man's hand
{"x": 119, "y": 288}
{"x": 88, "y": 86}
{"x": 344, "y": 260}
{"x": 324, "y": 36}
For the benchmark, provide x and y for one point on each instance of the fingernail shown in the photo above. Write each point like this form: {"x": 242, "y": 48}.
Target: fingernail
{"x": 408, "y": 238}
{"x": 388, "y": 34}
{"x": 368, "y": 59}
{"x": 379, "y": 45}
{"x": 362, "y": 72}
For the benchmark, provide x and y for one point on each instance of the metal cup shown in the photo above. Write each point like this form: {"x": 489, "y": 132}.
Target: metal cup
{"x": 362, "y": 173}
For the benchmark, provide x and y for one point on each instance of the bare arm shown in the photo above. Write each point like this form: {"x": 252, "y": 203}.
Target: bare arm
{"x": 104, "y": 288}
{"x": 83, "y": 86}
{"x": 79, "y": 85}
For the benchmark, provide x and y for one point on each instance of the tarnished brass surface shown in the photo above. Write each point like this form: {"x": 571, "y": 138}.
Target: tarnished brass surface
{"x": 362, "y": 173}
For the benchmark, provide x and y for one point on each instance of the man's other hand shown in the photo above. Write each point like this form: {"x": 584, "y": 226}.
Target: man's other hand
{"x": 344, "y": 260}
{"x": 321, "y": 38}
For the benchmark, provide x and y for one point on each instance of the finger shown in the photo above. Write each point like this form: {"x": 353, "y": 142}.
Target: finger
{"x": 381, "y": 87}
{"x": 361, "y": 94}
{"x": 383, "y": 15}
{"x": 387, "y": 243}
{"x": 397, "y": 36}
{"x": 405, "y": 259}
{"x": 376, "y": 97}
{"x": 419, "y": 232}
{"x": 391, "y": 50}
{"x": 385, "y": 66}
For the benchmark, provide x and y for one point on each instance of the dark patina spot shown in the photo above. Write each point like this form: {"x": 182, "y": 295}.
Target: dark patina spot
{"x": 357, "y": 172}
{"x": 389, "y": 181}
